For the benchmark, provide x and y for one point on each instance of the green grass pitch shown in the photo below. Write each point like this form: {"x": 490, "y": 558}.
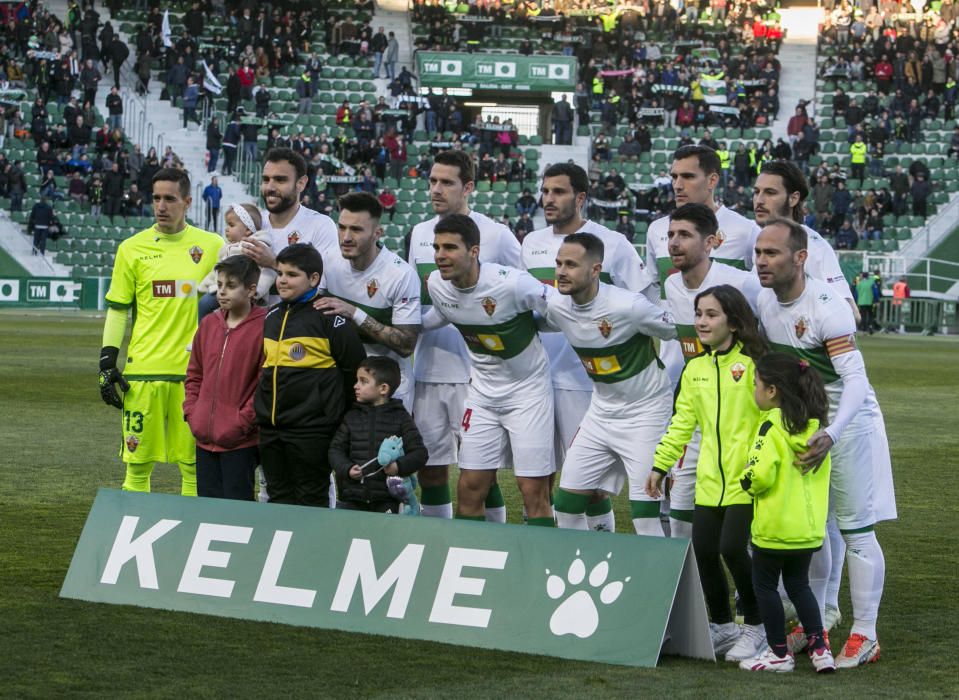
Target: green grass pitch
{"x": 59, "y": 444}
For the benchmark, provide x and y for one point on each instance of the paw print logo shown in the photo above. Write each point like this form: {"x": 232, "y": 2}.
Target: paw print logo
{"x": 578, "y": 613}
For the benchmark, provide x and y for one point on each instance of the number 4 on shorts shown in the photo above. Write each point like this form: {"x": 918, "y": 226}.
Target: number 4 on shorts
{"x": 466, "y": 419}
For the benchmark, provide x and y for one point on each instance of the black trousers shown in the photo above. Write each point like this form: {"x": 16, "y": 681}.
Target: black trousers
{"x": 226, "y": 474}
{"x": 296, "y": 467}
{"x": 386, "y": 506}
{"x": 793, "y": 565}
{"x": 724, "y": 532}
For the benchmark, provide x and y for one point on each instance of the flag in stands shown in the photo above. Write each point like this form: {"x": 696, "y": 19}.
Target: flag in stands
{"x": 165, "y": 32}
{"x": 210, "y": 83}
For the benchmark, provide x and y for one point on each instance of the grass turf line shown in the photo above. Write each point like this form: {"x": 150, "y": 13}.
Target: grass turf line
{"x": 60, "y": 445}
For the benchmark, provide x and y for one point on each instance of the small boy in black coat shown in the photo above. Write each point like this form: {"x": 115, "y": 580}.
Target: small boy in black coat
{"x": 375, "y": 418}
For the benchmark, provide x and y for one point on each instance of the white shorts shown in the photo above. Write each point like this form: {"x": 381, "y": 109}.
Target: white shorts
{"x": 404, "y": 392}
{"x": 852, "y": 493}
{"x": 438, "y": 414}
{"x": 682, "y": 492}
{"x": 522, "y": 430}
{"x": 885, "y": 493}
{"x": 569, "y": 407}
{"x": 608, "y": 450}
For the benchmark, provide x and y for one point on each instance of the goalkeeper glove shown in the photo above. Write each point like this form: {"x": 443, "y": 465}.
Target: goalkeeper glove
{"x": 110, "y": 377}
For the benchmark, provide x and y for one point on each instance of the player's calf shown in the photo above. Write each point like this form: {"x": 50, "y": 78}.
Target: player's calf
{"x": 535, "y": 491}
{"x": 471, "y": 491}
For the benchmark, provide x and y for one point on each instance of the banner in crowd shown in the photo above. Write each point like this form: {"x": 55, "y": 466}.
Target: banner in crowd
{"x": 580, "y": 595}
{"x": 496, "y": 71}
{"x": 609, "y": 203}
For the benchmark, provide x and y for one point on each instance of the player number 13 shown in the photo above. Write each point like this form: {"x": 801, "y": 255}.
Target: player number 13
{"x": 133, "y": 421}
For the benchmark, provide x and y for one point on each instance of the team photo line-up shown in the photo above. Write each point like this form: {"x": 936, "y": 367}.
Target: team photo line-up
{"x": 720, "y": 376}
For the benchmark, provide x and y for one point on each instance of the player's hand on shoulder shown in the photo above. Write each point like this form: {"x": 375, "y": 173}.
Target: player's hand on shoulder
{"x": 259, "y": 252}
{"x": 331, "y": 306}
{"x": 819, "y": 445}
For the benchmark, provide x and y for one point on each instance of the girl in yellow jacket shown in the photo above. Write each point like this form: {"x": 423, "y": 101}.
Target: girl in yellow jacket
{"x": 789, "y": 507}
{"x": 715, "y": 395}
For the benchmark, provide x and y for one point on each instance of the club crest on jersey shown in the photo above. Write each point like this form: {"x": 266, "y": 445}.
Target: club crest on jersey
{"x": 605, "y": 327}
{"x": 720, "y": 238}
{"x": 371, "y": 287}
{"x": 489, "y": 305}
{"x": 292, "y": 238}
{"x": 196, "y": 252}
{"x": 297, "y": 352}
{"x": 737, "y": 370}
{"x": 801, "y": 325}
{"x": 133, "y": 442}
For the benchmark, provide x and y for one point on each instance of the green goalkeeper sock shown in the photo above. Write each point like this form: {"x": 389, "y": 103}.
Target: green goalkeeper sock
{"x": 495, "y": 505}
{"x": 138, "y": 477}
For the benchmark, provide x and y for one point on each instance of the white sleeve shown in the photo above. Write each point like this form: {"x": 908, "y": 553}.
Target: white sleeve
{"x": 751, "y": 289}
{"x": 406, "y": 303}
{"x": 651, "y": 319}
{"x": 627, "y": 270}
{"x": 509, "y": 252}
{"x": 826, "y": 268}
{"x": 531, "y": 294}
{"x": 855, "y": 387}
{"x": 751, "y": 252}
{"x": 433, "y": 319}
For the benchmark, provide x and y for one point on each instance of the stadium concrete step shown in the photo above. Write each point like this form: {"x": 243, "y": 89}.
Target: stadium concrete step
{"x": 393, "y": 16}
{"x": 16, "y": 242}
{"x": 798, "y": 59}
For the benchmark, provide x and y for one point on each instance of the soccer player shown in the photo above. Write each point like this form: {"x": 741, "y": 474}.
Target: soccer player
{"x": 611, "y": 330}
{"x": 375, "y": 287}
{"x": 564, "y": 191}
{"x": 695, "y": 173}
{"x": 283, "y": 181}
{"x": 156, "y": 272}
{"x": 805, "y": 317}
{"x": 509, "y": 401}
{"x": 440, "y": 362}
{"x": 693, "y": 230}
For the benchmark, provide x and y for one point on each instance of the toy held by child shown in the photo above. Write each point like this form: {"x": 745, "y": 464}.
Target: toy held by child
{"x": 789, "y": 507}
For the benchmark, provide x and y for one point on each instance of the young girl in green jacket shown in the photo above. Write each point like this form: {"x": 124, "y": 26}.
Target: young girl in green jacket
{"x": 789, "y": 507}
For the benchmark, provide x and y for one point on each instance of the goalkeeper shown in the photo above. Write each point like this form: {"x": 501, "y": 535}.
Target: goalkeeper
{"x": 376, "y": 439}
{"x": 156, "y": 273}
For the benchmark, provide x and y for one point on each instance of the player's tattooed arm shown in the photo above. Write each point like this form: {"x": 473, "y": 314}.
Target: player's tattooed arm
{"x": 401, "y": 339}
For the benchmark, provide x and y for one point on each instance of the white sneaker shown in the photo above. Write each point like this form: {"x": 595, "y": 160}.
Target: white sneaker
{"x": 750, "y": 643}
{"x": 858, "y": 651}
{"x": 831, "y": 618}
{"x": 724, "y": 636}
{"x": 822, "y": 660}
{"x": 768, "y": 661}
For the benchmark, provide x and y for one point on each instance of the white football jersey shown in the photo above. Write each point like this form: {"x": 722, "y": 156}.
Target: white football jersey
{"x": 819, "y": 327}
{"x": 681, "y": 301}
{"x": 440, "y": 355}
{"x": 613, "y": 337}
{"x": 736, "y": 242}
{"x": 388, "y": 291}
{"x": 495, "y": 318}
{"x": 823, "y": 264}
{"x": 622, "y": 267}
{"x": 306, "y": 226}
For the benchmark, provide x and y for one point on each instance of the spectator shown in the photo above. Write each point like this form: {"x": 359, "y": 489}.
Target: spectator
{"x": 39, "y": 223}
{"x": 113, "y": 188}
{"x": 191, "y": 93}
{"x": 212, "y": 196}
{"x": 305, "y": 89}
{"x": 899, "y": 184}
{"x": 378, "y": 45}
{"x": 857, "y": 157}
{"x": 841, "y": 203}
{"x": 214, "y": 139}
{"x": 134, "y": 201}
{"x": 526, "y": 204}
{"x": 262, "y": 101}
{"x": 388, "y": 201}
{"x": 846, "y": 237}
{"x": 16, "y": 185}
{"x": 77, "y": 189}
{"x": 562, "y": 118}
{"x": 391, "y": 56}
{"x": 89, "y": 80}
{"x": 114, "y": 108}
{"x": 48, "y": 187}
{"x": 920, "y": 191}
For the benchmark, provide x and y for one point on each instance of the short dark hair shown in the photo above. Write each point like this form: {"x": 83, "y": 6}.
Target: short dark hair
{"x": 361, "y": 201}
{"x": 462, "y": 225}
{"x": 700, "y": 216}
{"x": 798, "y": 238}
{"x": 458, "y": 159}
{"x": 239, "y": 267}
{"x": 181, "y": 177}
{"x": 279, "y": 155}
{"x": 578, "y": 178}
{"x": 707, "y": 158}
{"x": 303, "y": 256}
{"x": 591, "y": 243}
{"x": 793, "y": 181}
{"x": 385, "y": 370}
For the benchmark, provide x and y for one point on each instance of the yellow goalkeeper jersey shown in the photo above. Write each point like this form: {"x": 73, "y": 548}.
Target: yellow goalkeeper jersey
{"x": 156, "y": 275}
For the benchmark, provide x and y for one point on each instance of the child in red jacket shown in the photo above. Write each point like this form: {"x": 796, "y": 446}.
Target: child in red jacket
{"x": 221, "y": 379}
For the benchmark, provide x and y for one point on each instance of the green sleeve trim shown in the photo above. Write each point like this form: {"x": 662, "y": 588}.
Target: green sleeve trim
{"x": 114, "y": 328}
{"x": 817, "y": 357}
{"x": 424, "y": 269}
{"x": 155, "y": 377}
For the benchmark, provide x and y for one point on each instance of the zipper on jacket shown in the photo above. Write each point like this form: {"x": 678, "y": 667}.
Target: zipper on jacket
{"x": 719, "y": 439}
{"x": 276, "y": 363}
{"x": 216, "y": 381}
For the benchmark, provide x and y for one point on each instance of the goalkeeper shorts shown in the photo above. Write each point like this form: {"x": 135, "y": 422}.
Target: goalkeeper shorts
{"x": 153, "y": 426}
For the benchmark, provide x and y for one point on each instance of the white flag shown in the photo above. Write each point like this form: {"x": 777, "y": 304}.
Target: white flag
{"x": 9, "y": 290}
{"x": 505, "y": 69}
{"x": 448, "y": 67}
{"x": 165, "y": 29}
{"x": 210, "y": 83}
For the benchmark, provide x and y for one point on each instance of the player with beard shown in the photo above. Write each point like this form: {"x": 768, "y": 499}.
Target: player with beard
{"x": 803, "y": 316}
{"x": 441, "y": 364}
{"x": 564, "y": 191}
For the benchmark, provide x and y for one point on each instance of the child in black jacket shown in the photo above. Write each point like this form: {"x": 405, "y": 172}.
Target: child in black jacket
{"x": 375, "y": 418}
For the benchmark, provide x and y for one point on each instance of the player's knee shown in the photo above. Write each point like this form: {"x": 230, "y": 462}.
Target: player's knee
{"x": 433, "y": 476}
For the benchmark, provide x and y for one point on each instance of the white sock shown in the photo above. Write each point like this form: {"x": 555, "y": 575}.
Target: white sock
{"x": 605, "y": 522}
{"x": 819, "y": 569}
{"x": 443, "y": 510}
{"x": 494, "y": 515}
{"x": 680, "y": 528}
{"x": 648, "y": 526}
{"x": 571, "y": 521}
{"x": 867, "y": 573}
{"x": 837, "y": 546}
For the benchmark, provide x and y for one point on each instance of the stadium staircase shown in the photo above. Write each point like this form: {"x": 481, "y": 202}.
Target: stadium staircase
{"x": 797, "y": 56}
